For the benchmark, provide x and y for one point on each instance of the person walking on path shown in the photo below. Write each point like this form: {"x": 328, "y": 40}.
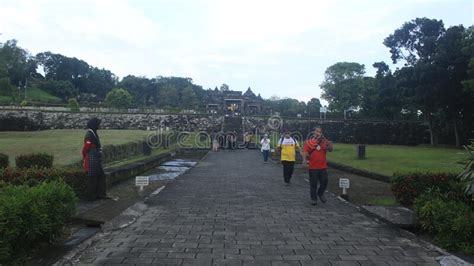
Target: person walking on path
{"x": 247, "y": 138}
{"x": 265, "y": 142}
{"x": 92, "y": 162}
{"x": 234, "y": 140}
{"x": 314, "y": 155}
{"x": 215, "y": 141}
{"x": 288, "y": 146}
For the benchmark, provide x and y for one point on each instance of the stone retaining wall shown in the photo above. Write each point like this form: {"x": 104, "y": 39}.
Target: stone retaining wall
{"x": 344, "y": 131}
{"x": 35, "y": 120}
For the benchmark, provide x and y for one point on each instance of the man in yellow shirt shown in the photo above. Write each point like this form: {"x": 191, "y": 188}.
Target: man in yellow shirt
{"x": 288, "y": 147}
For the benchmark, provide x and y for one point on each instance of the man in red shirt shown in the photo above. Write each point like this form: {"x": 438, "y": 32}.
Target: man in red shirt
{"x": 314, "y": 155}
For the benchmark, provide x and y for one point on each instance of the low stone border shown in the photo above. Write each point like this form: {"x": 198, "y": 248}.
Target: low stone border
{"x": 365, "y": 173}
{"x": 115, "y": 175}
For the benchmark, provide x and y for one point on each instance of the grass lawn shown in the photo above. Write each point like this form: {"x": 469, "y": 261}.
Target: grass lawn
{"x": 35, "y": 94}
{"x": 387, "y": 159}
{"x": 64, "y": 144}
{"x": 5, "y": 99}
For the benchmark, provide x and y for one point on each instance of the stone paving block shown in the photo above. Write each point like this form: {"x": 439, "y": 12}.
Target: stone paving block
{"x": 257, "y": 263}
{"x": 345, "y": 263}
{"x": 227, "y": 262}
{"x": 269, "y": 257}
{"x": 286, "y": 263}
{"x": 168, "y": 262}
{"x": 307, "y": 252}
{"x": 297, "y": 257}
{"x": 185, "y": 245}
{"x": 353, "y": 257}
{"x": 238, "y": 257}
{"x": 138, "y": 260}
{"x": 177, "y": 255}
{"x": 197, "y": 262}
{"x": 334, "y": 251}
{"x": 373, "y": 263}
{"x": 362, "y": 252}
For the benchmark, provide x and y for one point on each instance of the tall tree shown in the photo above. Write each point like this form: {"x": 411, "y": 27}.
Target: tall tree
{"x": 415, "y": 43}
{"x": 380, "y": 97}
{"x": 16, "y": 63}
{"x": 342, "y": 85}
{"x": 313, "y": 107}
{"x": 142, "y": 89}
{"x": 189, "y": 98}
{"x": 119, "y": 98}
{"x": 453, "y": 53}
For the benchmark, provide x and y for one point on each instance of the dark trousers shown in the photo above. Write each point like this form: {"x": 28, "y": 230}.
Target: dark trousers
{"x": 265, "y": 155}
{"x": 288, "y": 167}
{"x": 318, "y": 176}
{"x": 95, "y": 187}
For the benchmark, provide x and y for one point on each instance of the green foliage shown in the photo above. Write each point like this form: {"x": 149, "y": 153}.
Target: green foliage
{"x": 290, "y": 107}
{"x": 75, "y": 178}
{"x": 34, "y": 160}
{"x": 16, "y": 63}
{"x": 313, "y": 107}
{"x": 119, "y": 98}
{"x": 6, "y": 88}
{"x": 142, "y": 89}
{"x": 450, "y": 221}
{"x": 466, "y": 177}
{"x": 24, "y": 103}
{"x": 112, "y": 153}
{"x": 407, "y": 186}
{"x": 342, "y": 85}
{"x": 59, "y": 88}
{"x": 73, "y": 104}
{"x": 415, "y": 41}
{"x": 32, "y": 215}
{"x": 4, "y": 161}
{"x": 37, "y": 95}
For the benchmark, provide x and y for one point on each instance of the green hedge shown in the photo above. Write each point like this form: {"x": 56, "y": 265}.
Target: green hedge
{"x": 32, "y": 215}
{"x": 450, "y": 221}
{"x": 111, "y": 153}
{"x": 4, "y": 160}
{"x": 75, "y": 178}
{"x": 34, "y": 160}
{"x": 407, "y": 186}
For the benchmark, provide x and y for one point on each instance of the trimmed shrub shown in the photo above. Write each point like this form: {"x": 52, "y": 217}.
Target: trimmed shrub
{"x": 407, "y": 186}
{"x": 32, "y": 215}
{"x": 111, "y": 153}
{"x": 75, "y": 178}
{"x": 34, "y": 160}
{"x": 4, "y": 160}
{"x": 450, "y": 221}
{"x": 73, "y": 104}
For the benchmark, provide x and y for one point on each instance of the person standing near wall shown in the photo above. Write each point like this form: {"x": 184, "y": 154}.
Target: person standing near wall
{"x": 288, "y": 146}
{"x": 92, "y": 162}
{"x": 314, "y": 152}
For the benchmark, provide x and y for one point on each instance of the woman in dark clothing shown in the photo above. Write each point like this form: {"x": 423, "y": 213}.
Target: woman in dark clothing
{"x": 92, "y": 162}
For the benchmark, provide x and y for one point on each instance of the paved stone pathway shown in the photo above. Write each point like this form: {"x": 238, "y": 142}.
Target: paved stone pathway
{"x": 231, "y": 209}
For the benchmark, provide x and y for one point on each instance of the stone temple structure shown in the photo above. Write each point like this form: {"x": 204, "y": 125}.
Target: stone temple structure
{"x": 233, "y": 102}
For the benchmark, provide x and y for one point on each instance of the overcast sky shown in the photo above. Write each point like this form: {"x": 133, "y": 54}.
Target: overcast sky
{"x": 275, "y": 47}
